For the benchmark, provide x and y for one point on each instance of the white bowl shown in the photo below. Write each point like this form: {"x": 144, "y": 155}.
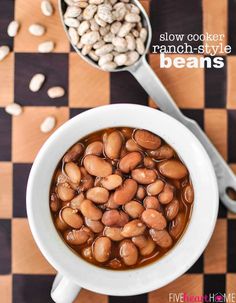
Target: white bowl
{"x": 174, "y": 263}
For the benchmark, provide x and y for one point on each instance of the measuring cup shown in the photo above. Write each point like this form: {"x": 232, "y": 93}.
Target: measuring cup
{"x": 144, "y": 74}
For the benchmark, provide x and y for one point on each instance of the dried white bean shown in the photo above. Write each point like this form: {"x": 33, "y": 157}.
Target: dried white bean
{"x": 131, "y": 44}
{"x": 120, "y": 59}
{"x": 71, "y": 22}
{"x": 13, "y": 28}
{"x": 47, "y": 8}
{"x": 4, "y": 51}
{"x": 37, "y": 29}
{"x": 86, "y": 49}
{"x": 74, "y": 37}
{"x": 56, "y": 92}
{"x": 46, "y": 47}
{"x": 89, "y": 11}
{"x": 104, "y": 59}
{"x": 109, "y": 66}
{"x": 132, "y": 58}
{"x": 36, "y": 82}
{"x": 125, "y": 29}
{"x": 143, "y": 34}
{"x": 104, "y": 13}
{"x": 48, "y": 124}
{"x": 115, "y": 27}
{"x": 90, "y": 38}
{"x": 100, "y": 21}
{"x": 13, "y": 109}
{"x": 83, "y": 27}
{"x": 140, "y": 46}
{"x": 132, "y": 18}
{"x": 93, "y": 56}
{"x": 72, "y": 12}
{"x": 105, "y": 49}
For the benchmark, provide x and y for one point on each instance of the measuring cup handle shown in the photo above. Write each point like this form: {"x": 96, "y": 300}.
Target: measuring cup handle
{"x": 156, "y": 90}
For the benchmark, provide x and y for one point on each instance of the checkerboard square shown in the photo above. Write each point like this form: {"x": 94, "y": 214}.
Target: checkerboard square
{"x": 6, "y": 289}
{"x": 32, "y": 288}
{"x": 231, "y": 79}
{"x": 7, "y": 80}
{"x": 5, "y": 135}
{"x": 214, "y": 284}
{"x": 216, "y": 129}
{"x": 197, "y": 267}
{"x": 131, "y": 299}
{"x": 232, "y": 25}
{"x": 231, "y": 257}
{"x": 230, "y": 283}
{"x": 222, "y": 213}
{"x": 195, "y": 114}
{"x": 189, "y": 284}
{"x": 176, "y": 17}
{"x": 20, "y": 177}
{"x": 217, "y": 243}
{"x": 53, "y": 66}
{"x": 125, "y": 89}
{"x": 76, "y": 111}
{"x": 6, "y": 190}
{"x": 29, "y": 12}
{"x": 5, "y": 244}
{"x": 27, "y": 137}
{"x": 86, "y": 296}
{"x": 88, "y": 86}
{"x": 6, "y": 16}
{"x": 185, "y": 85}
{"x": 231, "y": 136}
{"x": 26, "y": 257}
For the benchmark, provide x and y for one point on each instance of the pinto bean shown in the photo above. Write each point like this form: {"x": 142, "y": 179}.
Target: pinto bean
{"x": 141, "y": 192}
{"x": 128, "y": 252}
{"x": 89, "y": 210}
{"x": 98, "y": 195}
{"x": 102, "y": 249}
{"x": 167, "y": 195}
{"x": 114, "y": 233}
{"x": 144, "y": 175}
{"x": 154, "y": 219}
{"x": 110, "y": 203}
{"x": 149, "y": 163}
{"x": 95, "y": 226}
{"x": 94, "y": 148}
{"x": 54, "y": 203}
{"x": 73, "y": 172}
{"x": 111, "y": 182}
{"x": 76, "y": 236}
{"x": 161, "y": 237}
{"x": 173, "y": 169}
{"x": 74, "y": 153}
{"x": 147, "y": 139}
{"x": 125, "y": 192}
{"x": 145, "y": 244}
{"x": 60, "y": 224}
{"x": 97, "y": 166}
{"x": 152, "y": 202}
{"x": 188, "y": 194}
{"x": 132, "y": 146}
{"x": 177, "y": 225}
{"x": 113, "y": 145}
{"x": 87, "y": 180}
{"x": 133, "y": 228}
{"x": 76, "y": 202}
{"x": 172, "y": 209}
{"x": 134, "y": 209}
{"x": 163, "y": 152}
{"x": 87, "y": 252}
{"x": 130, "y": 161}
{"x": 71, "y": 217}
{"x": 155, "y": 188}
{"x": 115, "y": 218}
{"x": 65, "y": 192}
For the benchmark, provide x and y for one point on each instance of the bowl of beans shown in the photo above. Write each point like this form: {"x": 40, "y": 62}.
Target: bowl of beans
{"x": 122, "y": 199}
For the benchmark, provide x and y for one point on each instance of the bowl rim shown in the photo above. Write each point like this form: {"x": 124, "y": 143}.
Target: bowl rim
{"x": 156, "y": 274}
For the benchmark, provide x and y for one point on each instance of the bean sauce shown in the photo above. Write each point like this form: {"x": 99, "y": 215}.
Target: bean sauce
{"x": 121, "y": 198}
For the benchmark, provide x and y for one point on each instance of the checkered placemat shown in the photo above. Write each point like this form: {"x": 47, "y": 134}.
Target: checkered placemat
{"x": 209, "y": 96}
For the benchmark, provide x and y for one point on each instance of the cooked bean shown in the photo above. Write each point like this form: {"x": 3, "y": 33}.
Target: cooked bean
{"x": 111, "y": 182}
{"x": 188, "y": 194}
{"x": 110, "y": 203}
{"x": 134, "y": 209}
{"x": 163, "y": 152}
{"x": 144, "y": 175}
{"x": 154, "y": 219}
{"x": 172, "y": 209}
{"x": 73, "y": 172}
{"x": 125, "y": 192}
{"x": 102, "y": 249}
{"x": 94, "y": 148}
{"x": 114, "y": 233}
{"x": 113, "y": 144}
{"x": 152, "y": 202}
{"x": 132, "y": 146}
{"x": 173, "y": 169}
{"x": 177, "y": 225}
{"x": 60, "y": 224}
{"x": 74, "y": 153}
{"x": 133, "y": 228}
{"x": 87, "y": 180}
{"x": 128, "y": 252}
{"x": 141, "y": 192}
{"x": 65, "y": 192}
{"x": 76, "y": 236}
{"x": 71, "y": 217}
{"x": 145, "y": 244}
{"x": 98, "y": 195}
{"x": 87, "y": 252}
{"x": 149, "y": 163}
{"x": 167, "y": 195}
{"x": 161, "y": 237}
{"x": 97, "y": 166}
{"x": 115, "y": 218}
{"x": 76, "y": 202}
{"x": 155, "y": 188}
{"x": 95, "y": 226}
{"x": 130, "y": 161}
{"x": 147, "y": 139}
{"x": 54, "y": 203}
{"x": 89, "y": 210}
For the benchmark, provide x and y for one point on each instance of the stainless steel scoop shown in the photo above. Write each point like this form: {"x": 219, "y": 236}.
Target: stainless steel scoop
{"x": 144, "y": 74}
